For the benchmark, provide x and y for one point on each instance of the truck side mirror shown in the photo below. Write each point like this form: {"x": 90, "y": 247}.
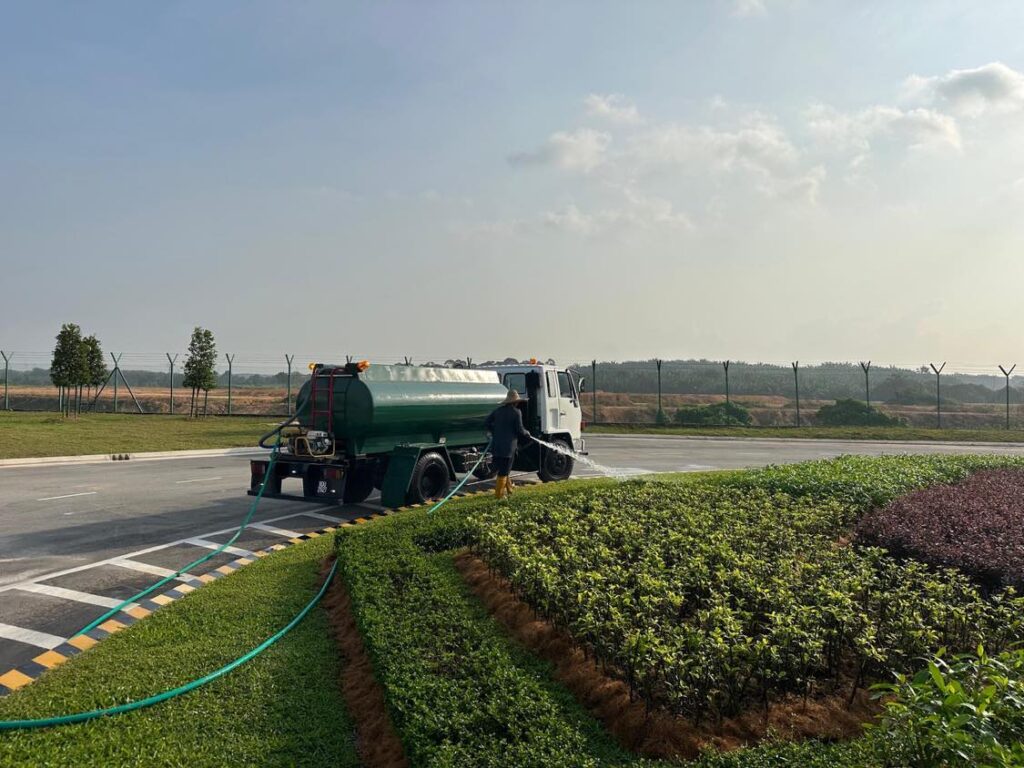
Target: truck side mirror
{"x": 582, "y": 385}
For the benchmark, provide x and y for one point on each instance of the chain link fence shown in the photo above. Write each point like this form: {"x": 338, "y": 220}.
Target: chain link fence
{"x": 668, "y": 392}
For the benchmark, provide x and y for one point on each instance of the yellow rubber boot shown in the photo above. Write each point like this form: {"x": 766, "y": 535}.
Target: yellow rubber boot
{"x": 508, "y": 486}
{"x": 499, "y": 487}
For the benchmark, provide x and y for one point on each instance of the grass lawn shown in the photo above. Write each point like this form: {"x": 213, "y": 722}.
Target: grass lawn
{"x": 821, "y": 433}
{"x": 47, "y": 434}
{"x": 282, "y": 708}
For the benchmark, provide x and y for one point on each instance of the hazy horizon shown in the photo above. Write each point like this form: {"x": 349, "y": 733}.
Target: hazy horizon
{"x": 765, "y": 180}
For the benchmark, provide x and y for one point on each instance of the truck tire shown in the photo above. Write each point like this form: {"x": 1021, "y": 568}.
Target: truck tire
{"x": 554, "y": 465}
{"x": 358, "y": 486}
{"x": 430, "y": 479}
{"x": 486, "y": 470}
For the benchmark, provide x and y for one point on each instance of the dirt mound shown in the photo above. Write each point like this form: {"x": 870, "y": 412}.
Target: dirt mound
{"x": 647, "y": 730}
{"x": 376, "y": 739}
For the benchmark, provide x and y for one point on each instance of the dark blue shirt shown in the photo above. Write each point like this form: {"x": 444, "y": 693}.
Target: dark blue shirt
{"x": 506, "y": 427}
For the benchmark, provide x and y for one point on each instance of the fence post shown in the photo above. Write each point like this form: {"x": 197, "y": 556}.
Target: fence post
{"x": 725, "y": 365}
{"x": 938, "y": 393}
{"x": 593, "y": 386}
{"x": 7, "y": 363}
{"x": 1007, "y": 373}
{"x": 866, "y": 367}
{"x": 171, "y": 361}
{"x": 231, "y": 360}
{"x": 117, "y": 370}
{"x": 796, "y": 382}
{"x": 288, "y": 404}
{"x": 660, "y": 417}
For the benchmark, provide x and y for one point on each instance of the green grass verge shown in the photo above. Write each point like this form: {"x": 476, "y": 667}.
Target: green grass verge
{"x": 24, "y": 435}
{"x": 821, "y": 433}
{"x": 282, "y": 708}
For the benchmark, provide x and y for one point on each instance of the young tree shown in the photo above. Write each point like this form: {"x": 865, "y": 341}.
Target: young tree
{"x": 96, "y": 368}
{"x": 68, "y": 369}
{"x": 199, "y": 368}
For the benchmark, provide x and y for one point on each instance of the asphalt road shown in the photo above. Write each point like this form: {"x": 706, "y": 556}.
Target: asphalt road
{"x": 75, "y": 539}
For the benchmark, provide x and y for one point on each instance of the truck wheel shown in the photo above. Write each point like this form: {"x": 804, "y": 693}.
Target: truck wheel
{"x": 358, "y": 486}
{"x": 430, "y": 479}
{"x": 485, "y": 471}
{"x": 555, "y": 465}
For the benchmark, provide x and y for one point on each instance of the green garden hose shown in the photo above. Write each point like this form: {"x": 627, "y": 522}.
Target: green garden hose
{"x": 458, "y": 487}
{"x": 78, "y": 717}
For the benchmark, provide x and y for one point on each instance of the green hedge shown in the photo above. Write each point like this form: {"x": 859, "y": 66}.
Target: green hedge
{"x": 462, "y": 693}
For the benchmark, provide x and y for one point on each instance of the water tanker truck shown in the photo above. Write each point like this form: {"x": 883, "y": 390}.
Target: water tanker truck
{"x": 408, "y": 431}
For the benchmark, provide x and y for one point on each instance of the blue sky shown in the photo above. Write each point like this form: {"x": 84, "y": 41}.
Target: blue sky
{"x": 763, "y": 180}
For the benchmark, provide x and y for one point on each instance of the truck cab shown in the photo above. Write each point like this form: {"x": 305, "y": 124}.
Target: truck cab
{"x": 551, "y": 412}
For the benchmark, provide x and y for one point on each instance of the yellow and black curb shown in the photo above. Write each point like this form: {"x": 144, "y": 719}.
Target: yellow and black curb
{"x": 21, "y": 676}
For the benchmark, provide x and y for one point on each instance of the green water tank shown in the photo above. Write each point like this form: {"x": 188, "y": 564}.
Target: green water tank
{"x": 387, "y": 405}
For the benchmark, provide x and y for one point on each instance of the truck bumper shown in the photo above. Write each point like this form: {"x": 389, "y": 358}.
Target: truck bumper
{"x": 321, "y": 483}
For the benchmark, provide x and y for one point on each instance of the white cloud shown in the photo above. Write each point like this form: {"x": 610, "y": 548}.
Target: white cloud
{"x": 745, "y": 8}
{"x": 636, "y": 211}
{"x": 993, "y": 87}
{"x": 612, "y": 107}
{"x": 856, "y": 131}
{"x": 581, "y": 150}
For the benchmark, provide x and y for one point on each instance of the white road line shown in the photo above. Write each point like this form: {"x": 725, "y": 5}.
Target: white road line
{"x": 153, "y": 570}
{"x": 198, "y": 480}
{"x": 30, "y": 636}
{"x": 128, "y": 556}
{"x": 71, "y": 594}
{"x": 214, "y": 545}
{"x": 271, "y": 529}
{"x": 330, "y": 519}
{"x": 68, "y": 496}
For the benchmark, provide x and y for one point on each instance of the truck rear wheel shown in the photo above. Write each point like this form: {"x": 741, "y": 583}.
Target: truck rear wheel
{"x": 358, "y": 486}
{"x": 555, "y": 465}
{"x": 430, "y": 479}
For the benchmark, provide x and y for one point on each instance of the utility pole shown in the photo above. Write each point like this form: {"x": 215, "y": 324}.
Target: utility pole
{"x": 938, "y": 393}
{"x": 231, "y": 360}
{"x": 1006, "y": 373}
{"x": 288, "y": 359}
{"x": 171, "y": 361}
{"x": 866, "y": 367}
{"x": 725, "y": 365}
{"x": 796, "y": 382}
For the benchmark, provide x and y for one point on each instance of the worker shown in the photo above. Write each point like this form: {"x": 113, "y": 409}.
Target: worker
{"x": 505, "y": 425}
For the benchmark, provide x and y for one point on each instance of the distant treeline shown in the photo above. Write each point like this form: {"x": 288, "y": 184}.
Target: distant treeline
{"x": 828, "y": 381}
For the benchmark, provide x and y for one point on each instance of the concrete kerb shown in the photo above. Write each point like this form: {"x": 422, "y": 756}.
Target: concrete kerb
{"x": 103, "y": 458}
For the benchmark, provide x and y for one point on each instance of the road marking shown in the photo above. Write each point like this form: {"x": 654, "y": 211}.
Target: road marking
{"x": 68, "y": 496}
{"x": 153, "y": 570}
{"x": 197, "y": 542}
{"x": 331, "y": 519}
{"x": 30, "y": 636}
{"x": 138, "y": 553}
{"x": 71, "y": 594}
{"x": 199, "y": 480}
{"x": 279, "y": 531}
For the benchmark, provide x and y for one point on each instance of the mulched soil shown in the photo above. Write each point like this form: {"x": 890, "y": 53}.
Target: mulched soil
{"x": 377, "y": 741}
{"x": 976, "y": 526}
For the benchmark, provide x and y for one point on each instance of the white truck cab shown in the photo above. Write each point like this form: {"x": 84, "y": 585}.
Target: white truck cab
{"x": 552, "y": 410}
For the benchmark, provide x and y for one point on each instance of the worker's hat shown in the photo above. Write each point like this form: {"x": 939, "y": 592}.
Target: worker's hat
{"x": 511, "y": 397}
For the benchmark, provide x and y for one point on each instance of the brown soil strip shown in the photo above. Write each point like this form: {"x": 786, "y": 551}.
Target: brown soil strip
{"x": 377, "y": 741}
{"x": 653, "y": 732}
